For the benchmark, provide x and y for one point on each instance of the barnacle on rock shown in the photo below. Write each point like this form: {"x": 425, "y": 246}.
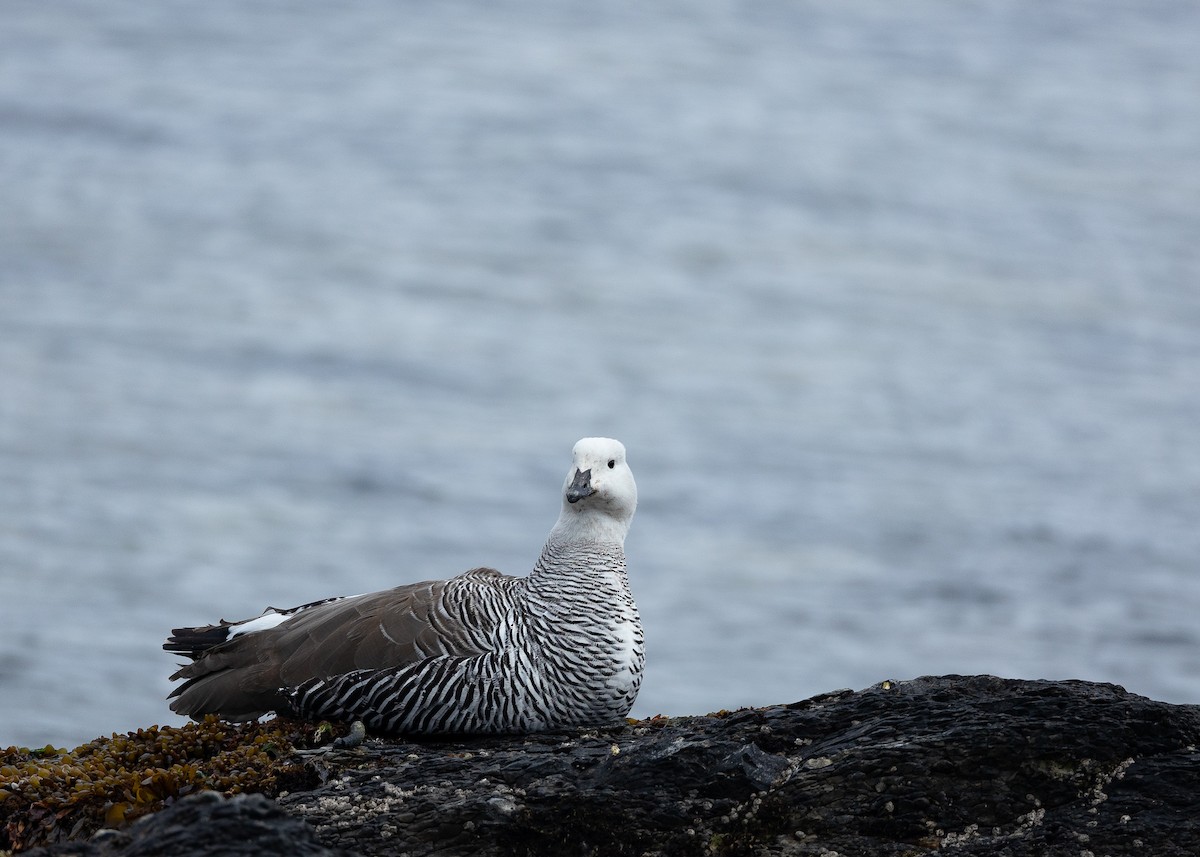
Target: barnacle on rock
{"x": 51, "y": 794}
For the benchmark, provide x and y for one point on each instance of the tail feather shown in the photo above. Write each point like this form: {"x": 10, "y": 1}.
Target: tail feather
{"x": 194, "y": 642}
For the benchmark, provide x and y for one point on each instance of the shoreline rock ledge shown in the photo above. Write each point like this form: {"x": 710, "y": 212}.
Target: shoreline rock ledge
{"x": 974, "y": 765}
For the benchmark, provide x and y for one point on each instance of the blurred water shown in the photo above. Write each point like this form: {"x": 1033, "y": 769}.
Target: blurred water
{"x": 896, "y": 308}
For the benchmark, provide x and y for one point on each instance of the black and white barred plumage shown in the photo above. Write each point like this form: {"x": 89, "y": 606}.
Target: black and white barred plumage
{"x": 481, "y": 652}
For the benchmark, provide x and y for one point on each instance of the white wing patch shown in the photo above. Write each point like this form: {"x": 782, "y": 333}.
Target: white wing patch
{"x": 262, "y": 623}
{"x": 273, "y": 617}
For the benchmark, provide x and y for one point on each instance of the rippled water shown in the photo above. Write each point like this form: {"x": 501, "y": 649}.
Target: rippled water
{"x": 896, "y": 308}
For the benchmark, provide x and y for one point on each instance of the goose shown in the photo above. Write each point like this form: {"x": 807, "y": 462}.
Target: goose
{"x": 481, "y": 652}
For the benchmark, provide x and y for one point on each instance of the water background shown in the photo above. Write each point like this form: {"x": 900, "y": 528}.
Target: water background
{"x": 896, "y": 307}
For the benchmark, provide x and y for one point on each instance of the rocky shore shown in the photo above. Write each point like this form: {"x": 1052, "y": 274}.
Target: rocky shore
{"x": 971, "y": 764}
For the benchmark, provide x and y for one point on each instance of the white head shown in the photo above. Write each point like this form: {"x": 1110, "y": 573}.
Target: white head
{"x": 599, "y": 494}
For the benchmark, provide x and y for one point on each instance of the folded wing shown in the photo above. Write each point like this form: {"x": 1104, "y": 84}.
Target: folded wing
{"x": 240, "y": 669}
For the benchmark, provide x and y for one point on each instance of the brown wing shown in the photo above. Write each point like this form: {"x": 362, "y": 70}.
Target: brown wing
{"x": 240, "y": 679}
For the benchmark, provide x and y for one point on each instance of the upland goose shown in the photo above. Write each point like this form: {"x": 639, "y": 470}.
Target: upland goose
{"x": 481, "y": 652}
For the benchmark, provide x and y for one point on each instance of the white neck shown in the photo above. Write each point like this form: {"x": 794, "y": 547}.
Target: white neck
{"x": 588, "y": 526}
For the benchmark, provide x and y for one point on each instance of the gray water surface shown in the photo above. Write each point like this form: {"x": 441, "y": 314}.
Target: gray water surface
{"x": 896, "y": 307}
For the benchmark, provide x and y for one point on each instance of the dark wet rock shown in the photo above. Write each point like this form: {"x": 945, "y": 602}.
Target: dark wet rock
{"x": 980, "y": 765}
{"x": 205, "y": 823}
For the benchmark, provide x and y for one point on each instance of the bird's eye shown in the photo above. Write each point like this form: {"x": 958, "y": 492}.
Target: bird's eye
{"x": 612, "y": 462}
